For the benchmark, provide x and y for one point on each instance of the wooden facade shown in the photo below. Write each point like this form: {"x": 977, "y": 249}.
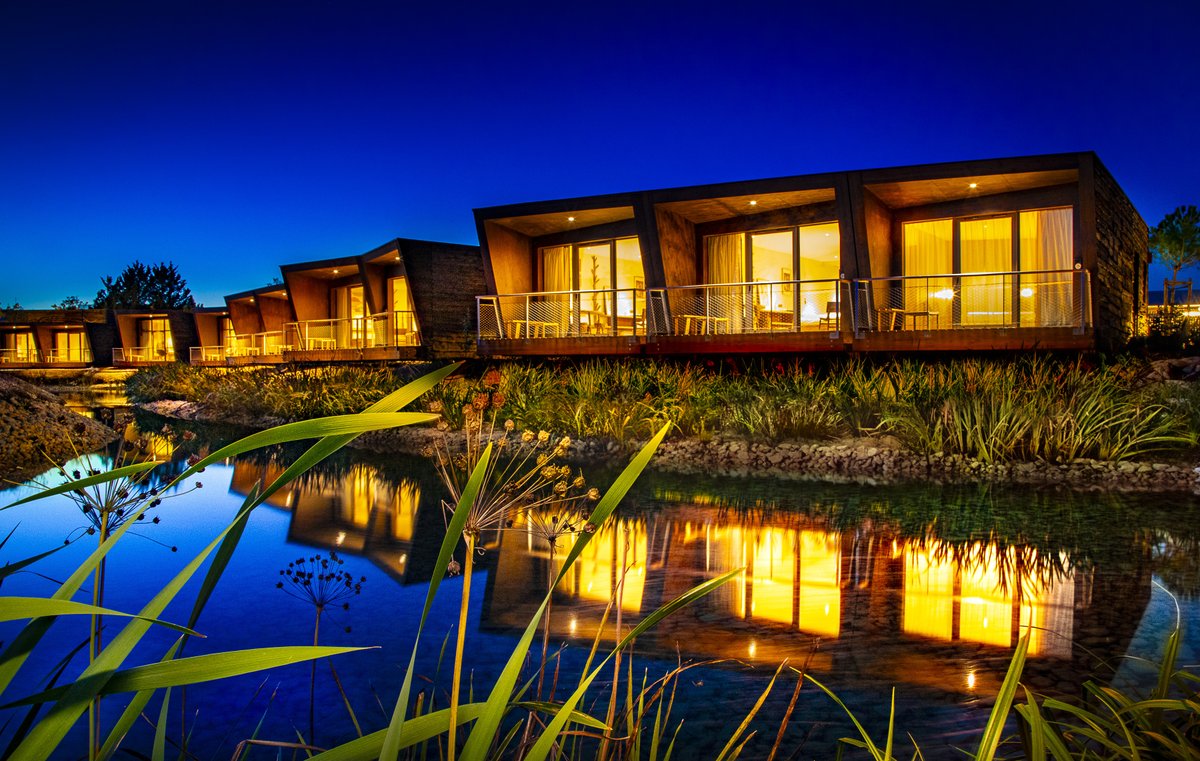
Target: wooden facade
{"x": 1016, "y": 254}
{"x": 898, "y": 259}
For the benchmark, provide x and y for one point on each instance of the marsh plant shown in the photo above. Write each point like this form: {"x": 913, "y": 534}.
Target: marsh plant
{"x": 322, "y": 582}
{"x": 520, "y": 475}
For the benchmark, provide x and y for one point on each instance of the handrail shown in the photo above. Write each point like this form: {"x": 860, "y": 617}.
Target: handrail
{"x": 385, "y": 329}
{"x": 561, "y": 314}
{"x": 966, "y": 274}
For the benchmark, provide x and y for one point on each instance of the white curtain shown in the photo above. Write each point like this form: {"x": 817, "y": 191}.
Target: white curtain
{"x": 724, "y": 262}
{"x": 558, "y": 274}
{"x": 1047, "y": 243}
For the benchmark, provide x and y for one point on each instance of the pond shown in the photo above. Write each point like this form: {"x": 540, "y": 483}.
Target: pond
{"x": 919, "y": 588}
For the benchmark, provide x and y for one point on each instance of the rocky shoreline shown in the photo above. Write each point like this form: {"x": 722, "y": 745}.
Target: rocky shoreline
{"x": 871, "y": 461}
{"x": 37, "y": 429}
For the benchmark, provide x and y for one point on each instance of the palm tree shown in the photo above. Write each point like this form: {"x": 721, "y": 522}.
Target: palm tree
{"x": 1175, "y": 241}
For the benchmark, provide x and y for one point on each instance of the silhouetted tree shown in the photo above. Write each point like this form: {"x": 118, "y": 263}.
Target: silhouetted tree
{"x": 1175, "y": 241}
{"x": 140, "y": 286}
{"x": 71, "y": 302}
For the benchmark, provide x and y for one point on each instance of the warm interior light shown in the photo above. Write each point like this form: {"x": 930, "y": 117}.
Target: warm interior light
{"x": 945, "y": 294}
{"x": 973, "y": 185}
{"x": 1026, "y": 292}
{"x": 754, "y": 203}
{"x": 570, "y": 219}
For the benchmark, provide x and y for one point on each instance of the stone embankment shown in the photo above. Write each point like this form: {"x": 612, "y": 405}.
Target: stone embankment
{"x": 37, "y": 430}
{"x": 865, "y": 460}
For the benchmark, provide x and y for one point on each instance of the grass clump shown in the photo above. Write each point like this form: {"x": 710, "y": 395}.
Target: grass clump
{"x": 993, "y": 410}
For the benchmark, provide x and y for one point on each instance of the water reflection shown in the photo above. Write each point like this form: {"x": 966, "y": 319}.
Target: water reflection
{"x": 855, "y": 596}
{"x": 355, "y": 510}
{"x": 913, "y": 588}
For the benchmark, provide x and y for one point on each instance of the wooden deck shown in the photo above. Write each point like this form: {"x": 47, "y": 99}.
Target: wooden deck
{"x": 748, "y": 343}
{"x": 597, "y": 346}
{"x": 974, "y": 339}
{"x": 370, "y": 354}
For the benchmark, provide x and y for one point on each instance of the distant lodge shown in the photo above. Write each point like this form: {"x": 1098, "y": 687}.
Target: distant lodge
{"x": 1042, "y": 252}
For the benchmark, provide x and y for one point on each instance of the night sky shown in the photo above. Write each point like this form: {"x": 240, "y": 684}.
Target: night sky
{"x": 232, "y": 137}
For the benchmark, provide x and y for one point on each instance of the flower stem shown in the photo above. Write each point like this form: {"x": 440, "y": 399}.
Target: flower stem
{"x": 458, "y": 645}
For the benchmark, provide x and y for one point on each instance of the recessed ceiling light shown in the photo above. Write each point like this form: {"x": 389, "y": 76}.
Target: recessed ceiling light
{"x": 335, "y": 270}
{"x": 283, "y": 293}
{"x": 754, "y": 203}
{"x": 570, "y": 219}
{"x": 973, "y": 185}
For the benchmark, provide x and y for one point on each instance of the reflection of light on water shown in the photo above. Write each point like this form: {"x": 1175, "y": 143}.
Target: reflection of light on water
{"x": 753, "y": 649}
{"x": 970, "y": 680}
{"x": 574, "y": 624}
{"x": 341, "y": 538}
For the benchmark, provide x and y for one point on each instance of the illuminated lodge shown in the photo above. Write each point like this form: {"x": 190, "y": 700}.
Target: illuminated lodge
{"x": 1038, "y": 252}
{"x": 1041, "y": 252}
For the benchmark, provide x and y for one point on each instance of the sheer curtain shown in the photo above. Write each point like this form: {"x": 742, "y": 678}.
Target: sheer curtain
{"x": 558, "y": 274}
{"x": 724, "y": 262}
{"x": 928, "y": 252}
{"x": 1047, "y": 243}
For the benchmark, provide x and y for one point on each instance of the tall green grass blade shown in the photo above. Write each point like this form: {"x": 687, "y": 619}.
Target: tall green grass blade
{"x": 31, "y": 715}
{"x": 199, "y": 668}
{"x": 18, "y": 608}
{"x": 862, "y": 732}
{"x": 391, "y": 747}
{"x": 733, "y": 747}
{"x": 11, "y": 568}
{"x": 485, "y": 729}
{"x": 542, "y": 747}
{"x": 416, "y": 729}
{"x": 46, "y": 736}
{"x": 159, "y": 751}
{"x": 132, "y": 711}
{"x": 86, "y": 481}
{"x": 994, "y": 728}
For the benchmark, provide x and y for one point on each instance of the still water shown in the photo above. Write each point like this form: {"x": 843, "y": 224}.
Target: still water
{"x": 922, "y": 589}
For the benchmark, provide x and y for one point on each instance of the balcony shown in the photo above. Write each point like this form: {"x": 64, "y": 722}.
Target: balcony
{"x": 1043, "y": 308}
{"x": 142, "y": 355}
{"x": 391, "y": 335}
{"x": 582, "y": 321}
{"x": 784, "y": 315}
{"x": 19, "y": 358}
{"x": 76, "y": 356}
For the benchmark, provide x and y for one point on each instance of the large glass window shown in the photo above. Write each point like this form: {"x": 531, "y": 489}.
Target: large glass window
{"x": 792, "y": 279}
{"x": 19, "y": 346}
{"x": 401, "y": 315}
{"x": 607, "y": 274}
{"x": 154, "y": 335}
{"x": 991, "y": 271}
{"x": 70, "y": 346}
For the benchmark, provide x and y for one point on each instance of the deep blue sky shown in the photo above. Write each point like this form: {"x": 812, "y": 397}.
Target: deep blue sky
{"x": 231, "y": 137}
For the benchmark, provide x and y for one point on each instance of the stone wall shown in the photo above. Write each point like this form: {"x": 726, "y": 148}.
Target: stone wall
{"x": 445, "y": 279}
{"x": 1122, "y": 257}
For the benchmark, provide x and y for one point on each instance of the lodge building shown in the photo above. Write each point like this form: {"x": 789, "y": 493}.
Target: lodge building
{"x": 1040, "y": 252}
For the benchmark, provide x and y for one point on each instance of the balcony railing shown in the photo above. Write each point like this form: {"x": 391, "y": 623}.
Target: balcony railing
{"x": 785, "y": 306}
{"x": 1032, "y": 299}
{"x": 266, "y": 344}
{"x": 562, "y": 314}
{"x": 59, "y": 356}
{"x": 130, "y": 354}
{"x": 19, "y": 357}
{"x": 379, "y": 330}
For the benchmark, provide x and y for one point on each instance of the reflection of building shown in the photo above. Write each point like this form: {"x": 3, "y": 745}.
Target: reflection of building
{"x": 358, "y": 513}
{"x": 915, "y": 610}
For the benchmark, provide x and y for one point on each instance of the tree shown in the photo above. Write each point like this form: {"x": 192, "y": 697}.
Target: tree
{"x": 71, "y": 302}
{"x": 1175, "y": 241}
{"x": 141, "y": 286}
